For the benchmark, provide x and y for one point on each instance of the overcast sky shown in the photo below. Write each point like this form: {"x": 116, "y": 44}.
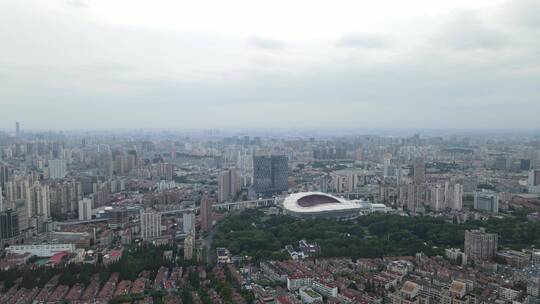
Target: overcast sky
{"x": 286, "y": 64}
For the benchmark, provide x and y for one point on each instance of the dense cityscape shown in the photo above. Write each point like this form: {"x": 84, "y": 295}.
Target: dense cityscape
{"x": 269, "y": 152}
{"x": 230, "y": 217}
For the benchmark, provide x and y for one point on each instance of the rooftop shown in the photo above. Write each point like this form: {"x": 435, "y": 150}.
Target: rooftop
{"x": 307, "y": 202}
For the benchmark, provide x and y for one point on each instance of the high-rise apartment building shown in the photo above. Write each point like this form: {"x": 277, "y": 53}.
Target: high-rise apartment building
{"x": 150, "y": 225}
{"x": 85, "y": 209}
{"x": 387, "y": 159}
{"x": 27, "y": 189}
{"x": 9, "y": 225}
{"x": 437, "y": 198}
{"x": 57, "y": 168}
{"x": 412, "y": 197}
{"x": 65, "y": 196}
{"x": 228, "y": 185}
{"x": 417, "y": 195}
{"x": 206, "y": 213}
{"x": 500, "y": 163}
{"x": 453, "y": 196}
{"x": 346, "y": 180}
{"x": 188, "y": 247}
{"x": 188, "y": 223}
{"x": 480, "y": 245}
{"x": 486, "y": 201}
{"x": 40, "y": 200}
{"x": 419, "y": 169}
{"x": 118, "y": 218}
{"x": 525, "y": 164}
{"x": 533, "y": 182}
{"x": 457, "y": 197}
{"x": 165, "y": 171}
{"x": 4, "y": 175}
{"x": 270, "y": 174}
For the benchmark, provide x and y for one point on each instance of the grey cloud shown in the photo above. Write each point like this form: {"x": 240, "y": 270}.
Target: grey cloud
{"x": 99, "y": 81}
{"x": 77, "y": 3}
{"x": 467, "y": 32}
{"x": 428, "y": 92}
{"x": 266, "y": 43}
{"x": 523, "y": 12}
{"x": 358, "y": 40}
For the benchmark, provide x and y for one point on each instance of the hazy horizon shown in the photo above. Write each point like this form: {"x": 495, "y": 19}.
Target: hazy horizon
{"x": 172, "y": 65}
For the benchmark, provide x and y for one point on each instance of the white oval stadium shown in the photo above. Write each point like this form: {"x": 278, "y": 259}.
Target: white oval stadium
{"x": 320, "y": 205}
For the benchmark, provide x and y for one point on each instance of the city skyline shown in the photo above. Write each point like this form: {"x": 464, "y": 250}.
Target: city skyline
{"x": 287, "y": 152}
{"x": 168, "y": 65}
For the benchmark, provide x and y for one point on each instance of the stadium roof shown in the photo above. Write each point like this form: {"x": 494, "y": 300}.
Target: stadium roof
{"x": 308, "y": 202}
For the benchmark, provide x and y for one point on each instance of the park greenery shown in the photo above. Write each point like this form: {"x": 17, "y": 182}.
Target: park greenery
{"x": 252, "y": 233}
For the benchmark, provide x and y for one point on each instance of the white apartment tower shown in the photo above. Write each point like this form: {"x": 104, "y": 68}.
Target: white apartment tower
{"x": 188, "y": 223}
{"x": 57, "y": 168}
{"x": 228, "y": 185}
{"x": 150, "y": 225}
{"x": 85, "y": 209}
{"x": 387, "y": 159}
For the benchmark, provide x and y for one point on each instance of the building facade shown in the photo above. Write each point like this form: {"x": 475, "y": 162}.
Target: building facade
{"x": 480, "y": 245}
{"x": 486, "y": 201}
{"x": 270, "y": 174}
{"x": 206, "y": 213}
{"x": 150, "y": 225}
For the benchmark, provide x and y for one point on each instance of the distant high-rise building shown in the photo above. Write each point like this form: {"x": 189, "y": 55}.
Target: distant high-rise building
{"x": 188, "y": 246}
{"x": 23, "y": 217}
{"x": 359, "y": 153}
{"x": 480, "y": 245}
{"x": 525, "y": 164}
{"x": 346, "y": 180}
{"x": 65, "y": 196}
{"x": 85, "y": 209}
{"x": 437, "y": 198}
{"x": 107, "y": 164}
{"x": 165, "y": 171}
{"x": 206, "y": 213}
{"x": 486, "y": 201}
{"x": 331, "y": 152}
{"x": 118, "y": 218}
{"x": 150, "y": 225}
{"x": 448, "y": 194}
{"x": 533, "y": 182}
{"x": 9, "y": 224}
{"x": 453, "y": 196}
{"x": 387, "y": 158}
{"x": 399, "y": 174}
{"x": 57, "y": 168}
{"x": 40, "y": 200}
{"x": 270, "y": 174}
{"x": 188, "y": 223}
{"x": 228, "y": 185}
{"x": 413, "y": 197}
{"x": 419, "y": 171}
{"x": 17, "y": 129}
{"x": 4, "y": 175}
{"x": 501, "y": 163}
{"x": 457, "y": 197}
